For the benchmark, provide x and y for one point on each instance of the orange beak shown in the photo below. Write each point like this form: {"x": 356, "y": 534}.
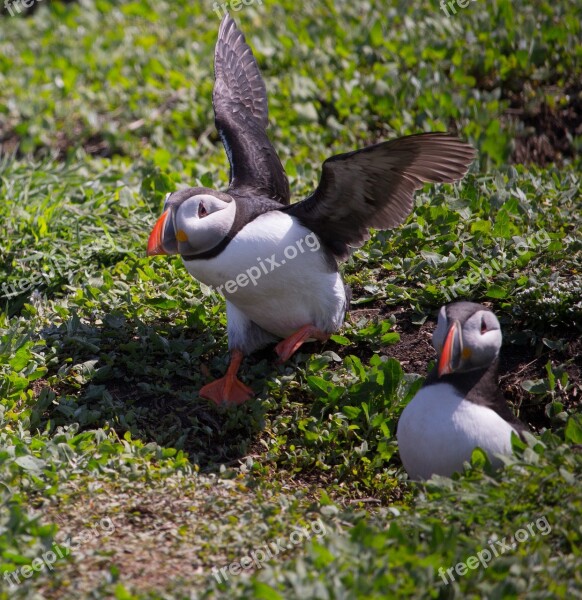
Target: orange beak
{"x": 452, "y": 350}
{"x": 155, "y": 245}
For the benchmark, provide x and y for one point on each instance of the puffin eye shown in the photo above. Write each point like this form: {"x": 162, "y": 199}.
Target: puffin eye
{"x": 202, "y": 212}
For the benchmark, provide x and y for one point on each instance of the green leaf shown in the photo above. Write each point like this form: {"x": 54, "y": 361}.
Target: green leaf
{"x": 517, "y": 443}
{"x": 319, "y": 385}
{"x": 207, "y": 180}
{"x": 537, "y": 386}
{"x": 502, "y": 226}
{"x": 376, "y": 34}
{"x": 20, "y": 358}
{"x": 479, "y": 458}
{"x": 392, "y": 376}
{"x": 432, "y": 258}
{"x": 291, "y": 168}
{"x": 30, "y": 463}
{"x": 551, "y": 376}
{"x": 352, "y": 412}
{"x": 262, "y": 591}
{"x": 162, "y": 158}
{"x": 481, "y": 225}
{"x": 495, "y": 291}
{"x": 573, "y": 431}
{"x": 390, "y": 338}
{"x": 163, "y": 303}
{"x": 340, "y": 339}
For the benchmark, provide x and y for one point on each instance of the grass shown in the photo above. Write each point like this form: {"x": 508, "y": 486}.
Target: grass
{"x": 106, "y": 449}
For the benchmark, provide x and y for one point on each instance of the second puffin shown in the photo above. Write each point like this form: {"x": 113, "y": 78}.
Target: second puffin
{"x": 276, "y": 262}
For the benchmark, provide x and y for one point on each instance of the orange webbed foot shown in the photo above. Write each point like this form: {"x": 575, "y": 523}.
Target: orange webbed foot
{"x": 287, "y": 347}
{"x": 228, "y": 390}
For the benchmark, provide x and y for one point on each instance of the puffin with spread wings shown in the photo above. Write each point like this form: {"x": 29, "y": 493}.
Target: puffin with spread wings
{"x": 277, "y": 263}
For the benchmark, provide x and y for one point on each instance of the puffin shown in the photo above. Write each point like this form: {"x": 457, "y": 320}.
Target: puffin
{"x": 460, "y": 405}
{"x": 276, "y": 263}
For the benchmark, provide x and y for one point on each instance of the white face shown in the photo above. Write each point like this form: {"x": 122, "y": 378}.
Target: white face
{"x": 481, "y": 338}
{"x": 202, "y": 222}
{"x": 439, "y": 334}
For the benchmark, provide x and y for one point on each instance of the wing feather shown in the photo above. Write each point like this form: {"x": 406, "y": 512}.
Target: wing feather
{"x": 374, "y": 187}
{"x": 241, "y": 116}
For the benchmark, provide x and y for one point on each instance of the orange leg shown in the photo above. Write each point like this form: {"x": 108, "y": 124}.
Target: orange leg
{"x": 228, "y": 390}
{"x": 286, "y": 348}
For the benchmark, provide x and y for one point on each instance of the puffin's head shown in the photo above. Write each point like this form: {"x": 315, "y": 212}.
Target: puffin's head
{"x": 193, "y": 221}
{"x": 467, "y": 337}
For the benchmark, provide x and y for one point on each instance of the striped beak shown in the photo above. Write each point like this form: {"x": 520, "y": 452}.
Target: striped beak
{"x": 452, "y": 352}
{"x": 162, "y": 239}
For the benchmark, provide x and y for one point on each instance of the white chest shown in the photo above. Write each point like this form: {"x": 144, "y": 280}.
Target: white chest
{"x": 439, "y": 430}
{"x": 276, "y": 273}
{"x": 260, "y": 249}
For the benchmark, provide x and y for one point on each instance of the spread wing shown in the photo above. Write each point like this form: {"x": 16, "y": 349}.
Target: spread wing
{"x": 374, "y": 187}
{"x": 241, "y": 117}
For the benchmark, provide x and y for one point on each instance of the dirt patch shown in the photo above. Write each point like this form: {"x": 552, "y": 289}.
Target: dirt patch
{"x": 149, "y": 534}
{"x": 520, "y": 363}
{"x": 546, "y": 134}
{"x": 414, "y": 351}
{"x": 9, "y": 143}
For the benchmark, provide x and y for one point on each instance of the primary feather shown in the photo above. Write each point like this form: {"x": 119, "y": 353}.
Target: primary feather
{"x": 241, "y": 116}
{"x": 374, "y": 187}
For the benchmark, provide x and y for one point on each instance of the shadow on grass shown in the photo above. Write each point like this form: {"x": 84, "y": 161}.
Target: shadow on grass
{"x": 144, "y": 378}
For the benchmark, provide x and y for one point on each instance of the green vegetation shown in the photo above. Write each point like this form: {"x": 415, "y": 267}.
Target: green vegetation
{"x": 105, "y": 107}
